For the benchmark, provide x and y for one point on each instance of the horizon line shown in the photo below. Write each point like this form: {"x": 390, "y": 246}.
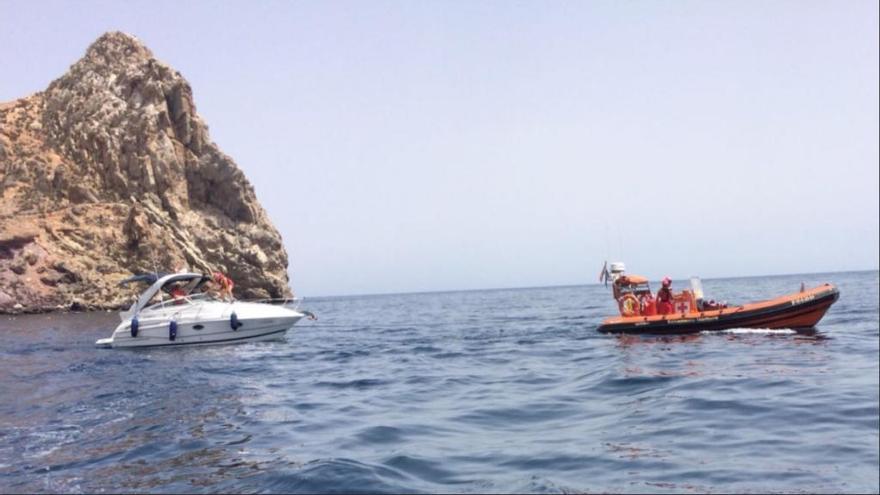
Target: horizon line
{"x": 446, "y": 291}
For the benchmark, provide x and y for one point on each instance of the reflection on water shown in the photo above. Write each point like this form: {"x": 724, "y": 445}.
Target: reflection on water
{"x": 662, "y": 352}
{"x": 485, "y": 391}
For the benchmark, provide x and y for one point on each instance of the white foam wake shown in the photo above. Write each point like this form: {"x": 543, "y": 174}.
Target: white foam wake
{"x": 768, "y": 331}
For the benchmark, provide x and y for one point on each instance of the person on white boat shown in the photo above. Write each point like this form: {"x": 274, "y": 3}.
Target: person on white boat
{"x": 178, "y": 294}
{"x": 223, "y": 285}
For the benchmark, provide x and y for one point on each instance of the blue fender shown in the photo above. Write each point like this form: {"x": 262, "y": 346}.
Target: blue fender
{"x": 172, "y": 330}
{"x": 134, "y": 327}
{"x": 233, "y": 321}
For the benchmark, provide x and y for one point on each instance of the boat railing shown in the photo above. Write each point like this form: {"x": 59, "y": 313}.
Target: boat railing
{"x": 293, "y": 302}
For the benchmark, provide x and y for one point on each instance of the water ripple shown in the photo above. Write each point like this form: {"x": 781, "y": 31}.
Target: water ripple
{"x": 469, "y": 392}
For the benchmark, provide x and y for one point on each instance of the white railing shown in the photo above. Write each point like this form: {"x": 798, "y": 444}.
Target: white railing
{"x": 292, "y": 302}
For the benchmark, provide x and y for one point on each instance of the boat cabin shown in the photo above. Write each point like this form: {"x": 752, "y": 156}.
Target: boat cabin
{"x": 633, "y": 294}
{"x": 634, "y": 297}
{"x": 631, "y": 284}
{"x": 179, "y": 287}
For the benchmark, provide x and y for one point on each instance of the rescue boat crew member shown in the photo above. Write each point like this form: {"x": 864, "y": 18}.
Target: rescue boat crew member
{"x": 664, "y": 297}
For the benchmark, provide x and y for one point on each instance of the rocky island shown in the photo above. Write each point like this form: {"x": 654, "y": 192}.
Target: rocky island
{"x": 110, "y": 171}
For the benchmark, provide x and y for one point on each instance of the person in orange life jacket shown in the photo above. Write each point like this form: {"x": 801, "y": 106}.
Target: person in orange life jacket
{"x": 664, "y": 297}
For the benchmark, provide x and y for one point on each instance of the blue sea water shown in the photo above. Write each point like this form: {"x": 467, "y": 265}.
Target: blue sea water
{"x": 478, "y": 391}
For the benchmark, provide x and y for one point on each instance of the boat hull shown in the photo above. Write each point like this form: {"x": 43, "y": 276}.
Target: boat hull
{"x": 801, "y": 310}
{"x": 211, "y": 324}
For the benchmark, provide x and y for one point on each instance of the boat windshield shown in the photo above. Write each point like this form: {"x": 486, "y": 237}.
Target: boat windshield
{"x": 697, "y": 288}
{"x": 159, "y": 301}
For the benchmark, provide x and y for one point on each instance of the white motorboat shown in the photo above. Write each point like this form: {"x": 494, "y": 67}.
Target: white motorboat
{"x": 174, "y": 311}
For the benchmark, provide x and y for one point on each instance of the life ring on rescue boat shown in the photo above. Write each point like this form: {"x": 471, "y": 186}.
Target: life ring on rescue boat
{"x": 629, "y": 305}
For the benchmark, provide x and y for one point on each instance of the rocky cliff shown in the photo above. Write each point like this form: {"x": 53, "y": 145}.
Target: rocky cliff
{"x": 110, "y": 171}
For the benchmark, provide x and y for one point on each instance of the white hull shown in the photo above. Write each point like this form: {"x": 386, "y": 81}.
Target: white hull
{"x": 202, "y": 323}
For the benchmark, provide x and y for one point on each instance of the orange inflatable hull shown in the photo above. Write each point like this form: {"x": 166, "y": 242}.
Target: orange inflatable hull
{"x": 800, "y": 310}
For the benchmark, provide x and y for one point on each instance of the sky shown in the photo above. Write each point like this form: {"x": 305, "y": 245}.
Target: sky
{"x": 439, "y": 145}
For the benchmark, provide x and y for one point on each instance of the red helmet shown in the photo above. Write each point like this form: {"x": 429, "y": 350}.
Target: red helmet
{"x": 667, "y": 281}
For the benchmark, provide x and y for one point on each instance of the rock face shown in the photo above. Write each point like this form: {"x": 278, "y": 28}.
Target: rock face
{"x": 110, "y": 171}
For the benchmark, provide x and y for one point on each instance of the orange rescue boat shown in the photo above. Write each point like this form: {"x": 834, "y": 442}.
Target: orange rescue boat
{"x": 691, "y": 313}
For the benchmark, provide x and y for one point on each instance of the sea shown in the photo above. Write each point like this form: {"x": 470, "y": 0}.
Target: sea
{"x": 490, "y": 391}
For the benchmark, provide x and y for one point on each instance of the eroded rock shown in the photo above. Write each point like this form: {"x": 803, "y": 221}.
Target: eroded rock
{"x": 111, "y": 170}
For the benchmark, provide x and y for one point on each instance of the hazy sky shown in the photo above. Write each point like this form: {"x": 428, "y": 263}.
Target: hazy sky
{"x": 431, "y": 145}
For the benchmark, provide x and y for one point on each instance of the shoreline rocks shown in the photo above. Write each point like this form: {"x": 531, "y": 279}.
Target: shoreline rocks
{"x": 111, "y": 171}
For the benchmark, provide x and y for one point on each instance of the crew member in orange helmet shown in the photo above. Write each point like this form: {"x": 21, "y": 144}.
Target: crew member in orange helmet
{"x": 664, "y": 297}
